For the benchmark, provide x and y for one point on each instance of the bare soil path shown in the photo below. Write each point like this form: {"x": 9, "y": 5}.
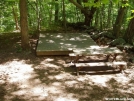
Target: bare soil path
{"x": 26, "y": 77}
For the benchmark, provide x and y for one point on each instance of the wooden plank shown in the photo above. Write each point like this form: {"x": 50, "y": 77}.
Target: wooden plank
{"x": 100, "y": 64}
{"x": 63, "y": 43}
{"x": 39, "y": 53}
{"x": 97, "y": 51}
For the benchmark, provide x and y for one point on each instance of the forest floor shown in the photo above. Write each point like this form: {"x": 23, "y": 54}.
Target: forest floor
{"x": 27, "y": 77}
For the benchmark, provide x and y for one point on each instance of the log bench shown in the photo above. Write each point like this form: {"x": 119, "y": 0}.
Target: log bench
{"x": 122, "y": 65}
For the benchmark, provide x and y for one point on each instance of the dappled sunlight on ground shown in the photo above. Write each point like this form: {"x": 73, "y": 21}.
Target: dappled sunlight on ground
{"x": 47, "y": 79}
{"x": 26, "y": 77}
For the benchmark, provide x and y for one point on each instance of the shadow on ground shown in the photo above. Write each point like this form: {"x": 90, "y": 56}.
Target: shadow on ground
{"x": 26, "y": 77}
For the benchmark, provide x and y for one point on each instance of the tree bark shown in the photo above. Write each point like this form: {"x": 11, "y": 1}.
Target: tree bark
{"x": 64, "y": 16}
{"x": 56, "y": 11}
{"x": 119, "y": 21}
{"x": 77, "y": 5}
{"x": 87, "y": 13}
{"x": 38, "y": 16}
{"x": 129, "y": 35}
{"x": 79, "y": 2}
{"x": 109, "y": 15}
{"x": 97, "y": 19}
{"x": 24, "y": 25}
{"x": 16, "y": 19}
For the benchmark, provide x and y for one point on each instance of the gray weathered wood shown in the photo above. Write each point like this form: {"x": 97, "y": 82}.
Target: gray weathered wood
{"x": 97, "y": 51}
{"x": 121, "y": 65}
{"x": 63, "y": 43}
{"x": 100, "y": 64}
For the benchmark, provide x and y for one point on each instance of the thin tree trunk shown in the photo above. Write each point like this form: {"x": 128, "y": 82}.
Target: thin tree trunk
{"x": 77, "y": 11}
{"x": 64, "y": 16}
{"x": 24, "y": 25}
{"x": 50, "y": 15}
{"x": 38, "y": 16}
{"x": 101, "y": 19}
{"x": 109, "y": 15}
{"x": 56, "y": 11}
{"x": 97, "y": 19}
{"x": 16, "y": 19}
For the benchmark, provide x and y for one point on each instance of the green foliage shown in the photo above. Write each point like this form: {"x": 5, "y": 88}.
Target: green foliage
{"x": 129, "y": 18}
{"x": 92, "y": 4}
{"x": 46, "y": 11}
{"x": 132, "y": 11}
{"x": 126, "y": 5}
{"x": 116, "y": 1}
{"x": 100, "y": 3}
{"x": 132, "y": 15}
{"x": 7, "y": 22}
{"x": 105, "y": 1}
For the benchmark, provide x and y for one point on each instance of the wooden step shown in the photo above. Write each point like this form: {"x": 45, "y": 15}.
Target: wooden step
{"x": 100, "y": 64}
{"x": 121, "y": 64}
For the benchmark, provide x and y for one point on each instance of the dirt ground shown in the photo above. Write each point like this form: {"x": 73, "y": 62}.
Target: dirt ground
{"x": 27, "y": 77}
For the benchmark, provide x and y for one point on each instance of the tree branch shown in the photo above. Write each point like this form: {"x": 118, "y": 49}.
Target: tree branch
{"x": 77, "y": 5}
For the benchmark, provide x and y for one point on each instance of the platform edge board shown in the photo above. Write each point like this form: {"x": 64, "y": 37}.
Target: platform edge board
{"x": 39, "y": 53}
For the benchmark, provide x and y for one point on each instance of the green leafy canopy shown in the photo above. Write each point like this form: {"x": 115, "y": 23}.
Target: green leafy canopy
{"x": 13, "y": 0}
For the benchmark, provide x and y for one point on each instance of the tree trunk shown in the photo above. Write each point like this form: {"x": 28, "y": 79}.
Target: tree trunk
{"x": 119, "y": 20}
{"x": 77, "y": 11}
{"x": 101, "y": 18}
{"x": 109, "y": 14}
{"x": 24, "y": 25}
{"x": 97, "y": 19}
{"x": 16, "y": 19}
{"x": 79, "y": 2}
{"x": 87, "y": 13}
{"x": 56, "y": 11}
{"x": 38, "y": 15}
{"x": 64, "y": 16}
{"x": 129, "y": 35}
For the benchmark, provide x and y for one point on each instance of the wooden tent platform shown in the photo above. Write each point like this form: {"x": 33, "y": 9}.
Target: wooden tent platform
{"x": 63, "y": 43}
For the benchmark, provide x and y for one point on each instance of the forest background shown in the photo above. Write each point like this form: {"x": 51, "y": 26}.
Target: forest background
{"x": 40, "y": 15}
